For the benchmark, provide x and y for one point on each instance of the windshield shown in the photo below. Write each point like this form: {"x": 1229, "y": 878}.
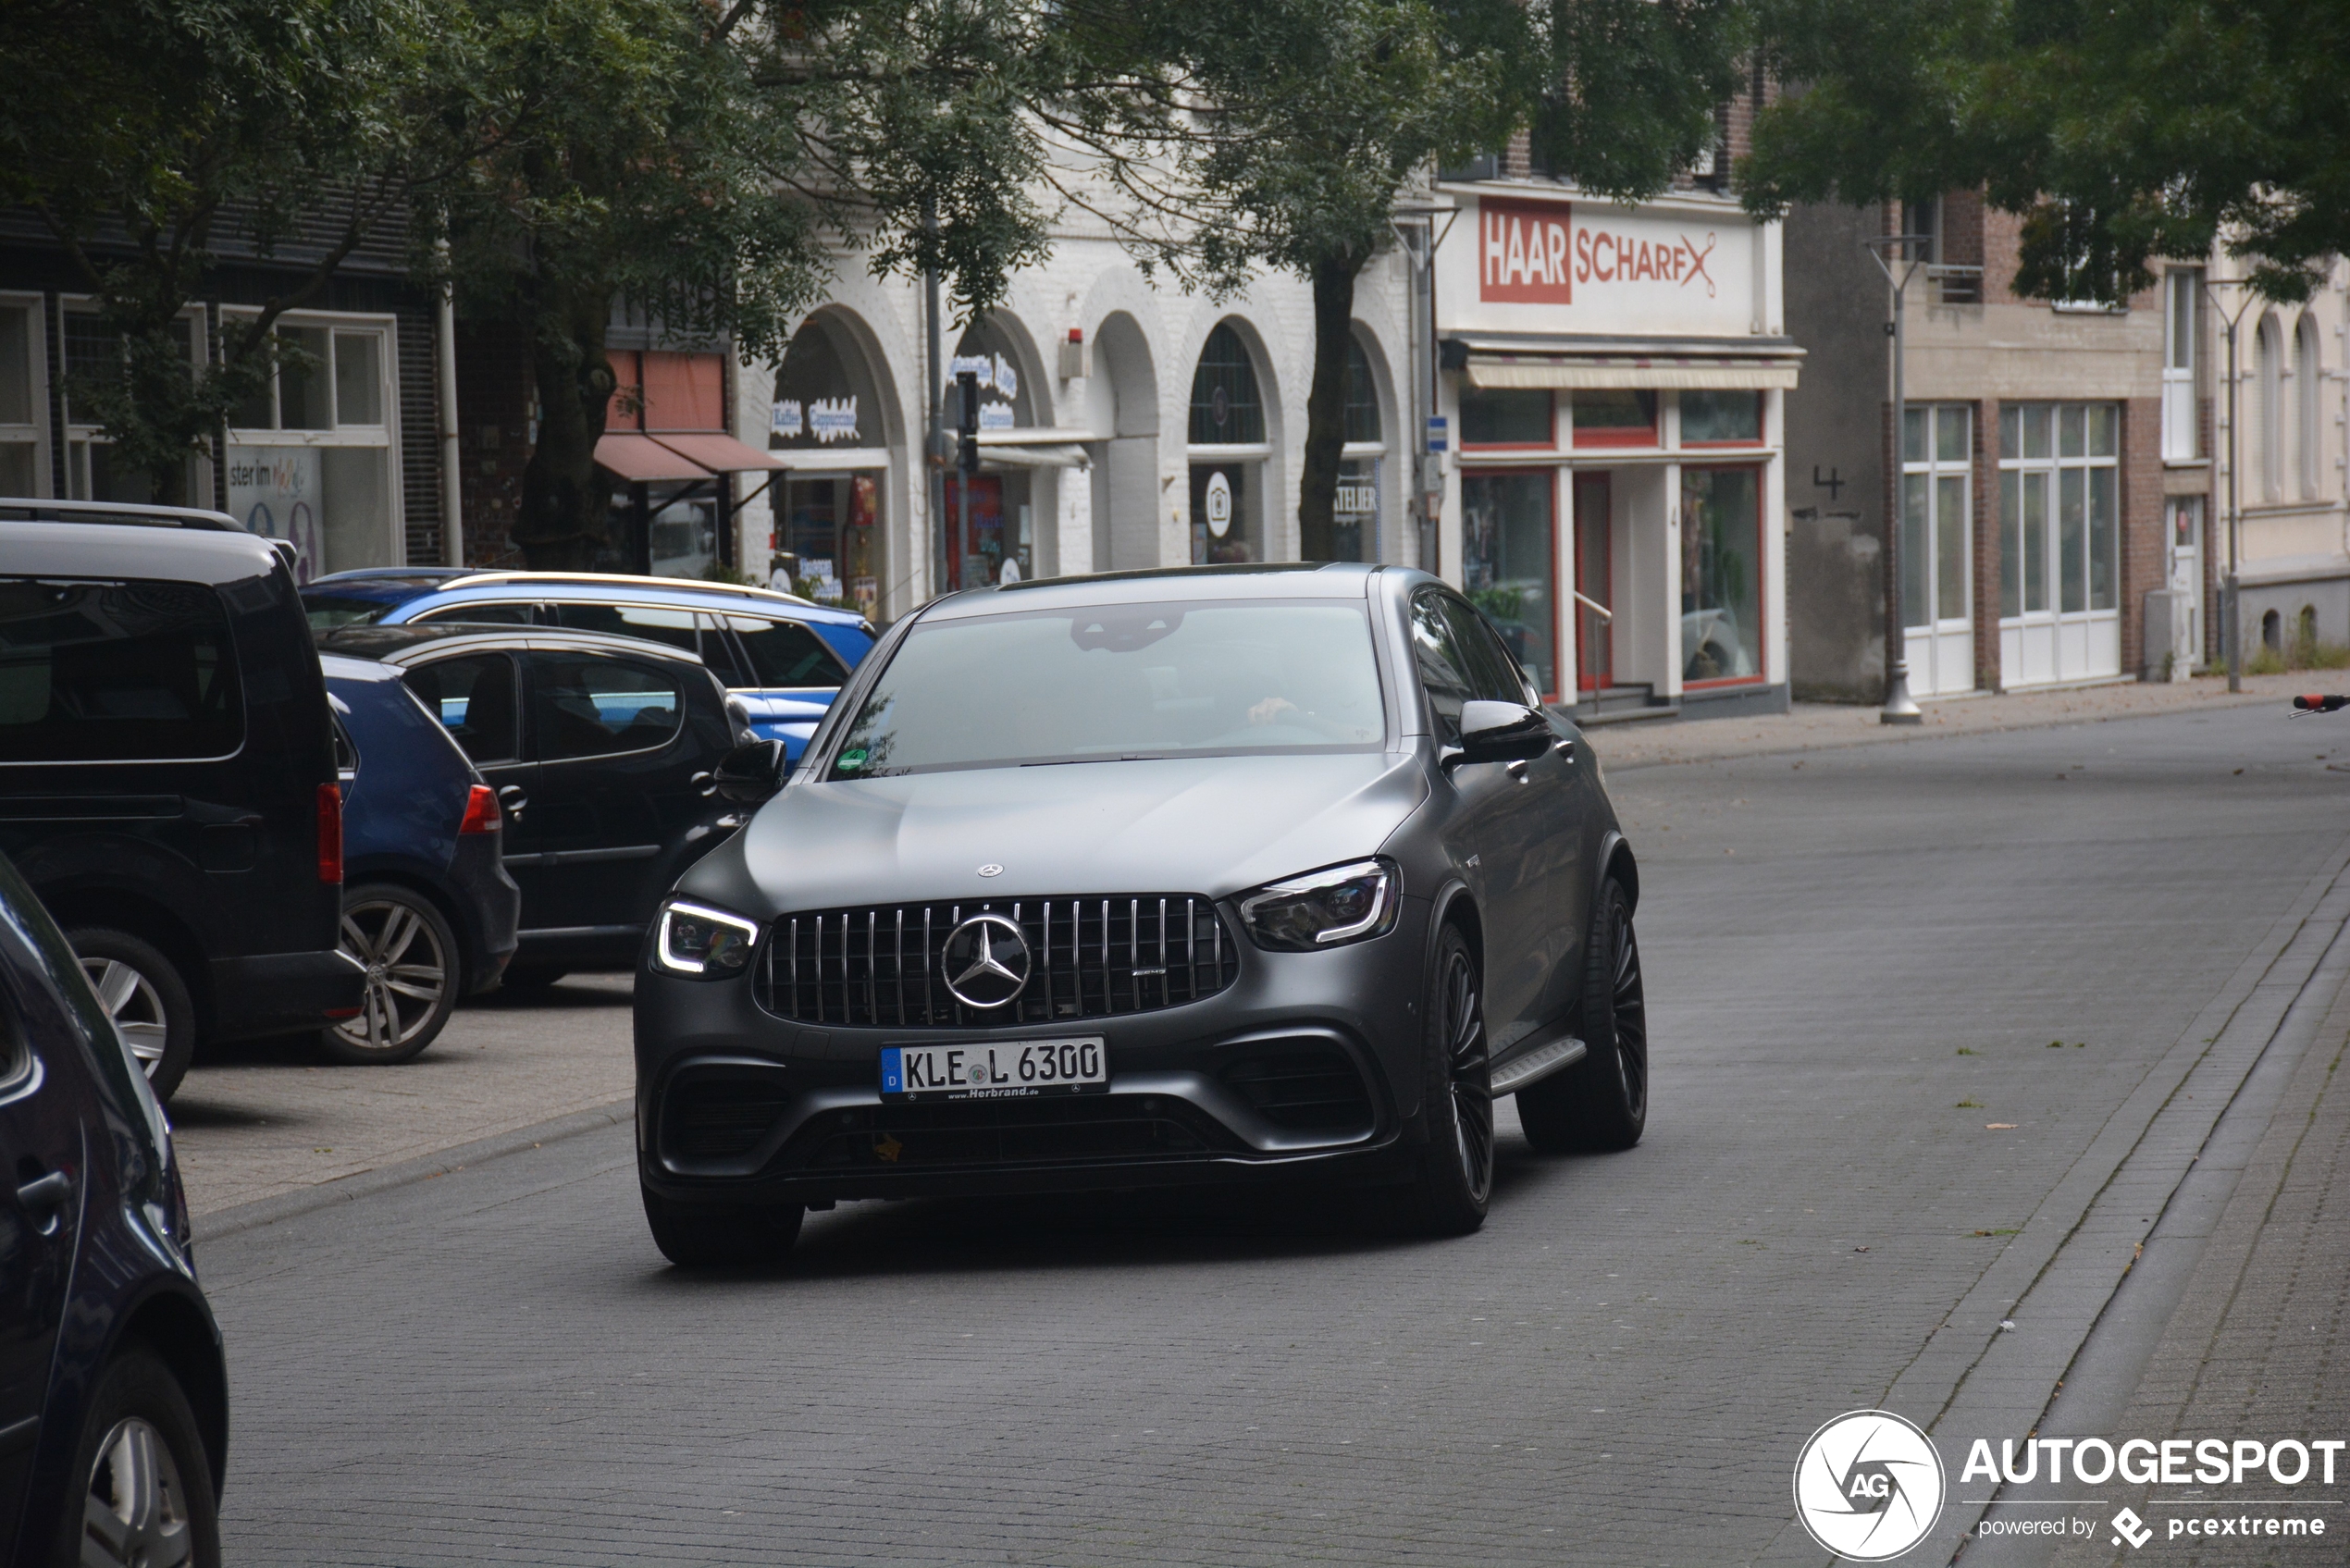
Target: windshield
{"x": 1120, "y": 682}
{"x": 354, "y": 605}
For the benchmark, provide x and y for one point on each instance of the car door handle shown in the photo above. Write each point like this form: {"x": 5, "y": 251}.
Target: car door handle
{"x": 703, "y": 784}
{"x": 1518, "y": 770}
{"x": 1564, "y": 748}
{"x": 42, "y": 1198}
{"x": 514, "y": 798}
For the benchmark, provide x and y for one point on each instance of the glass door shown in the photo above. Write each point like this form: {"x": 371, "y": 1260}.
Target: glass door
{"x": 1937, "y": 600}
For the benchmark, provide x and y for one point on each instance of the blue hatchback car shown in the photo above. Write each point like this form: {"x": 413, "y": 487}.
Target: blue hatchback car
{"x": 783, "y": 657}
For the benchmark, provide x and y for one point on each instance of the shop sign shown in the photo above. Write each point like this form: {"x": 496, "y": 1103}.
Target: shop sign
{"x": 1357, "y": 500}
{"x": 784, "y": 420}
{"x": 995, "y": 371}
{"x": 275, "y": 491}
{"x": 1596, "y": 266}
{"x": 1219, "y": 504}
{"x": 996, "y": 416}
{"x": 1521, "y": 251}
{"x": 832, "y": 419}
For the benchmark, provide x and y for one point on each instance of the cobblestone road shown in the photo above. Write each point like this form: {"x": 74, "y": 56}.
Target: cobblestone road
{"x": 1903, "y": 995}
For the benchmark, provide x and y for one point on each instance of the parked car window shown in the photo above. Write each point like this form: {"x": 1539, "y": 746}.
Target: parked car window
{"x": 675, "y": 627}
{"x": 108, "y": 672}
{"x": 503, "y": 613}
{"x": 586, "y": 705}
{"x": 474, "y": 697}
{"x": 325, "y": 611}
{"x": 785, "y": 653}
{"x": 1493, "y": 675}
{"x": 717, "y": 652}
{"x": 1443, "y": 671}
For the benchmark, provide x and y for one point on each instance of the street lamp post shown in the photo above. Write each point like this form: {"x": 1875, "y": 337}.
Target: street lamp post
{"x": 1899, "y": 709}
{"x": 2229, "y": 629}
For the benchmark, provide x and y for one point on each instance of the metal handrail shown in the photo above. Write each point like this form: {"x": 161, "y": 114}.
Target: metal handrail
{"x": 1594, "y": 605}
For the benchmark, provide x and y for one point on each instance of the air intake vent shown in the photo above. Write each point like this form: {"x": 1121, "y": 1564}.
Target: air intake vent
{"x": 1309, "y": 1086}
{"x": 1085, "y": 957}
{"x": 720, "y": 1114}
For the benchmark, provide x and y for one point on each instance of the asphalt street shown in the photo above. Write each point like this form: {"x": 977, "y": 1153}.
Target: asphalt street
{"x": 1915, "y": 1009}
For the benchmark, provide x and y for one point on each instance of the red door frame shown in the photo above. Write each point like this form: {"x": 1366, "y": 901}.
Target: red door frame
{"x": 1588, "y": 675}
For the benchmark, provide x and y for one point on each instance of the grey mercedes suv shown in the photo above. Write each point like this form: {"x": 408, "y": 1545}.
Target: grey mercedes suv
{"x": 1199, "y": 875}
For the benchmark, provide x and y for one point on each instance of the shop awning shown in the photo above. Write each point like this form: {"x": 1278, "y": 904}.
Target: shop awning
{"x": 1034, "y": 435}
{"x": 640, "y": 458}
{"x": 830, "y": 460}
{"x": 1693, "y": 375}
{"x": 1053, "y": 455}
{"x": 720, "y": 454}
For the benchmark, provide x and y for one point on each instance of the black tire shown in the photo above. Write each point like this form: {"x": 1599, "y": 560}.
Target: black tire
{"x": 1601, "y": 1102}
{"x": 1454, "y": 1182}
{"x": 722, "y": 1238}
{"x": 138, "y": 1427}
{"x": 142, "y": 991}
{"x": 405, "y": 943}
{"x": 530, "y": 977}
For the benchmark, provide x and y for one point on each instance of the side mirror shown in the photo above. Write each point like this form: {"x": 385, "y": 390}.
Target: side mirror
{"x": 749, "y": 774}
{"x": 1503, "y": 731}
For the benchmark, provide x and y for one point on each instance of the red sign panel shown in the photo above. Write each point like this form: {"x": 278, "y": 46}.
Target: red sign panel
{"x": 1524, "y": 252}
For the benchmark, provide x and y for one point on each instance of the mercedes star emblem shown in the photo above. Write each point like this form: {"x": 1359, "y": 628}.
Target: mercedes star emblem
{"x": 986, "y": 961}
{"x": 990, "y": 869}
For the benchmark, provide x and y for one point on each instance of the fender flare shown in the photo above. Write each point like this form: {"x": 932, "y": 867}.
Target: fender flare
{"x": 1615, "y": 859}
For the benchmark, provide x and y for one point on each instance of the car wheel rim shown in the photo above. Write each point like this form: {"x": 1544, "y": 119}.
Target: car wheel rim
{"x": 136, "y": 1510}
{"x": 1471, "y": 1074}
{"x": 136, "y": 1006}
{"x": 1630, "y": 1001}
{"x": 407, "y": 973}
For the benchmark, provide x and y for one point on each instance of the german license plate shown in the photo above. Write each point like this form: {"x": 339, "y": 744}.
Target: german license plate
{"x": 996, "y": 1070}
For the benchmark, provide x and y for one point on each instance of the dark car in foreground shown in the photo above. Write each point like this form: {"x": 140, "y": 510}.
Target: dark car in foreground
{"x": 114, "y": 1393}
{"x": 168, "y": 773}
{"x": 602, "y": 751}
{"x": 427, "y": 907}
{"x": 1218, "y": 874}
{"x": 782, "y": 656}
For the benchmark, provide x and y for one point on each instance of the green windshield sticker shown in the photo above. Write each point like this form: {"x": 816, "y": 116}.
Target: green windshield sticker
{"x": 853, "y": 761}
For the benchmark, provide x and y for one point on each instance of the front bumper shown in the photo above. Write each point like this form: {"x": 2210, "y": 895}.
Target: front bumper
{"x": 737, "y": 1105}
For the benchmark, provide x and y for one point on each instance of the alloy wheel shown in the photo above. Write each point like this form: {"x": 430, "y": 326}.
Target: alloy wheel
{"x": 137, "y": 1508}
{"x": 1469, "y": 1070}
{"x": 407, "y": 973}
{"x": 134, "y": 1004}
{"x": 1630, "y": 1000}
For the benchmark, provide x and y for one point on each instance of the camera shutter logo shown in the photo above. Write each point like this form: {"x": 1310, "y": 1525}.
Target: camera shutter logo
{"x": 1869, "y": 1486}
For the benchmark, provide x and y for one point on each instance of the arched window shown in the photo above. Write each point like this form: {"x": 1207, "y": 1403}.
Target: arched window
{"x": 2309, "y": 428}
{"x": 2305, "y": 633}
{"x": 1362, "y": 394}
{"x": 1225, "y": 408}
{"x": 2272, "y": 631}
{"x": 2268, "y": 385}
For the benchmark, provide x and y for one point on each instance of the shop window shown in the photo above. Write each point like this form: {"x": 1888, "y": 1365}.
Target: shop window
{"x": 1225, "y": 408}
{"x": 827, "y": 536}
{"x": 1362, "y": 395}
{"x": 1721, "y": 574}
{"x": 331, "y": 489}
{"x": 1614, "y": 417}
{"x": 1509, "y": 565}
{"x": 1936, "y": 471}
{"x": 19, "y": 401}
{"x": 1714, "y": 419}
{"x": 1506, "y": 416}
{"x": 2060, "y": 509}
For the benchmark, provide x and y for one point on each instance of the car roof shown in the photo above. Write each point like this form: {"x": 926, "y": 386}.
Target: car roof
{"x": 108, "y": 549}
{"x": 387, "y": 583}
{"x": 395, "y": 644}
{"x": 24, "y": 508}
{"x": 345, "y": 667}
{"x": 1277, "y": 579}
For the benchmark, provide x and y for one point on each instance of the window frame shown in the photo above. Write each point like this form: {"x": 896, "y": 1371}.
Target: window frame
{"x": 1618, "y": 438}
{"x": 528, "y": 662}
{"x": 80, "y": 437}
{"x": 1762, "y": 677}
{"x": 2052, "y": 467}
{"x": 34, "y": 433}
{"x": 2182, "y": 352}
{"x": 1761, "y": 437}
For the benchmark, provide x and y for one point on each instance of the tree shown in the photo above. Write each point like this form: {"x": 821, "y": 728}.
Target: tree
{"x": 1315, "y": 116}
{"x": 2123, "y": 131}
{"x": 148, "y": 135}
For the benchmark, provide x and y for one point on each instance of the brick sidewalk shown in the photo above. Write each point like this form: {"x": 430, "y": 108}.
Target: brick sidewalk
{"x": 269, "y": 1119}
{"x": 1817, "y": 726}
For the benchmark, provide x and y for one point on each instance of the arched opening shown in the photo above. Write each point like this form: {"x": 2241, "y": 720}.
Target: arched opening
{"x": 832, "y": 505}
{"x": 1121, "y": 401}
{"x": 2305, "y": 633}
{"x": 997, "y": 537}
{"x": 2272, "y": 632}
{"x": 1357, "y": 531}
{"x": 2268, "y": 372}
{"x": 1230, "y": 438}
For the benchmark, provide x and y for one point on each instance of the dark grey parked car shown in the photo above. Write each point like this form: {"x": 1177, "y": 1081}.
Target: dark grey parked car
{"x": 1146, "y": 878}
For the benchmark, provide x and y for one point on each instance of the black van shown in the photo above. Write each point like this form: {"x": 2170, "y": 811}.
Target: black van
{"x": 168, "y": 773}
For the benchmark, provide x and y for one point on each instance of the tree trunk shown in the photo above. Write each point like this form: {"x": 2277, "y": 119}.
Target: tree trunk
{"x": 1326, "y": 407}
{"x": 561, "y": 523}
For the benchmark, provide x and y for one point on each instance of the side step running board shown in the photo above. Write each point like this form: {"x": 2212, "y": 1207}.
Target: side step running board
{"x": 1537, "y": 1065}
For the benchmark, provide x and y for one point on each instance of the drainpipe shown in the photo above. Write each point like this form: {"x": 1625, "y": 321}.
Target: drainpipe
{"x": 453, "y": 486}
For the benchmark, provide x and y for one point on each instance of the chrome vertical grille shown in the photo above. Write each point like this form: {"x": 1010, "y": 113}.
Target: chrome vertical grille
{"x": 1089, "y": 956}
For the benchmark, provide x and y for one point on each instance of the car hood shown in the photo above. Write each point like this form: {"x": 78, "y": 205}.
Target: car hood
{"x": 1215, "y": 825}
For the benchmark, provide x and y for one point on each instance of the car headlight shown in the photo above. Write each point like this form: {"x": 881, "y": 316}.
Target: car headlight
{"x": 695, "y": 939}
{"x": 1304, "y": 914}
